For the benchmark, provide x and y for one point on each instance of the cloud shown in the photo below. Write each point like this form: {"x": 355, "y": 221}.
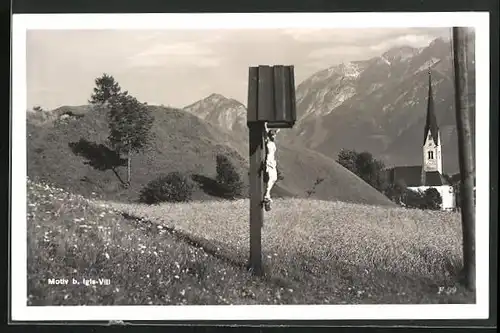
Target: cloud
{"x": 361, "y": 36}
{"x": 343, "y": 51}
{"x": 333, "y": 46}
{"x": 344, "y": 36}
{"x": 177, "y": 66}
{"x": 181, "y": 53}
{"x": 410, "y": 40}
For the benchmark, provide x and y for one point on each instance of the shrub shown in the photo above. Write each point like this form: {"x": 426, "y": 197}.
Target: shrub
{"x": 428, "y": 199}
{"x": 318, "y": 181}
{"x": 228, "y": 178}
{"x": 413, "y": 199}
{"x": 432, "y": 199}
{"x": 396, "y": 192}
{"x": 173, "y": 187}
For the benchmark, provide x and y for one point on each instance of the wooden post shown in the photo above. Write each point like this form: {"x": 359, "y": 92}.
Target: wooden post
{"x": 256, "y": 145}
{"x": 465, "y": 156}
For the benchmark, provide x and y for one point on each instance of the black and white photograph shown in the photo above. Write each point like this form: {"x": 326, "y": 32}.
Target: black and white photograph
{"x": 250, "y": 166}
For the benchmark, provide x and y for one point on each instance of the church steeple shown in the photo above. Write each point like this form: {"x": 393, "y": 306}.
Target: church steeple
{"x": 431, "y": 122}
{"x": 432, "y": 159}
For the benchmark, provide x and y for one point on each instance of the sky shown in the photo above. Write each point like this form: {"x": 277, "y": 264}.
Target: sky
{"x": 179, "y": 67}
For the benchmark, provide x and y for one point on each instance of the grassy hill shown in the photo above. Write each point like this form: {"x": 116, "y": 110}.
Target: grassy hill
{"x": 182, "y": 142}
{"x": 314, "y": 252}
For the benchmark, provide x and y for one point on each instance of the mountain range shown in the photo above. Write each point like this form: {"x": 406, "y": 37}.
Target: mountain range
{"x": 376, "y": 105}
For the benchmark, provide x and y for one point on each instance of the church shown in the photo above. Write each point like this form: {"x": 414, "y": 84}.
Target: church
{"x": 430, "y": 173}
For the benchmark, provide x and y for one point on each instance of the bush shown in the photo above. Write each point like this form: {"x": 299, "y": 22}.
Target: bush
{"x": 228, "y": 178}
{"x": 413, "y": 199}
{"x": 396, "y": 192}
{"x": 173, "y": 187}
{"x": 432, "y": 199}
{"x": 429, "y": 199}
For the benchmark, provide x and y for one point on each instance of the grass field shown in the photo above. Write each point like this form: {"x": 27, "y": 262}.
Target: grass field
{"x": 314, "y": 252}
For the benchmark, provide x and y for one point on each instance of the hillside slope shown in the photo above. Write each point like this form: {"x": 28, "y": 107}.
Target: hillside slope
{"x": 182, "y": 142}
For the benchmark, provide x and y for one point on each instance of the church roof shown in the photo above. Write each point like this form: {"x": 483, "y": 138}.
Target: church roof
{"x": 431, "y": 121}
{"x": 434, "y": 178}
{"x": 411, "y": 176}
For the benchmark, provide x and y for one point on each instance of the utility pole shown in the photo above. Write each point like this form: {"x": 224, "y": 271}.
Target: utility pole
{"x": 466, "y": 163}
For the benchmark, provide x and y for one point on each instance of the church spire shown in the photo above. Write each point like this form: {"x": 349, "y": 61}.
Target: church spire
{"x": 432, "y": 146}
{"x": 431, "y": 122}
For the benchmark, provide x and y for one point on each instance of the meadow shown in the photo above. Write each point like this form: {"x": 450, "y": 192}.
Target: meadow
{"x": 314, "y": 252}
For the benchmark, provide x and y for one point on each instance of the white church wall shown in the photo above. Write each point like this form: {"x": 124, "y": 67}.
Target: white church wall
{"x": 447, "y": 195}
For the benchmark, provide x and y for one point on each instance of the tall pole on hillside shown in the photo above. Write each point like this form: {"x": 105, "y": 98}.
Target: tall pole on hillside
{"x": 465, "y": 156}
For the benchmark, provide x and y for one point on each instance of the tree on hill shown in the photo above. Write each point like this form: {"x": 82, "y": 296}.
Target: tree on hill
{"x": 371, "y": 170}
{"x": 227, "y": 177}
{"x": 130, "y": 125}
{"x": 129, "y": 120}
{"x": 365, "y": 166}
{"x": 347, "y": 158}
{"x": 106, "y": 90}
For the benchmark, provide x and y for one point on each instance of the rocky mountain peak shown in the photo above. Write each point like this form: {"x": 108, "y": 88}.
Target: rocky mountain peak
{"x": 220, "y": 110}
{"x": 400, "y": 53}
{"x": 438, "y": 42}
{"x": 214, "y": 97}
{"x": 349, "y": 69}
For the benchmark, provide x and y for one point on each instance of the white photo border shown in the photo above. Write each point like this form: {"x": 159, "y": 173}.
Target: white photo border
{"x": 23, "y": 22}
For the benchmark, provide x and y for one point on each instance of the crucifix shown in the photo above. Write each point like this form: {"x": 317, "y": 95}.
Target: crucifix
{"x": 271, "y": 106}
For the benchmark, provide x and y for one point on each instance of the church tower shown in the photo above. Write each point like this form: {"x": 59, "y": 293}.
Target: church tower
{"x": 432, "y": 159}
